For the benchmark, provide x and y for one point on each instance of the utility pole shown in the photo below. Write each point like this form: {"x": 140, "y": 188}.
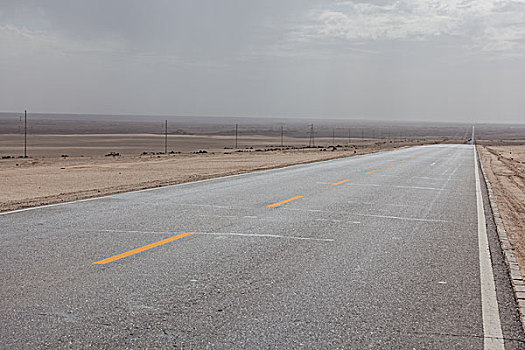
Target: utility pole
{"x": 166, "y": 138}
{"x": 282, "y": 136}
{"x": 311, "y": 142}
{"x": 25, "y": 133}
{"x": 236, "y": 134}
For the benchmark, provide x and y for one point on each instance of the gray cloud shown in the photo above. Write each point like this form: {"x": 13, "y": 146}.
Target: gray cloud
{"x": 444, "y": 60}
{"x": 486, "y": 25}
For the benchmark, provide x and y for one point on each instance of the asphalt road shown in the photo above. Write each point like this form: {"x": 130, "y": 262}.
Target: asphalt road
{"x": 388, "y": 259}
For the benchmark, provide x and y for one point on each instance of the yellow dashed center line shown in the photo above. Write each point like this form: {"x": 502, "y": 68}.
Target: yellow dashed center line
{"x": 283, "y": 202}
{"x": 389, "y": 165}
{"x": 340, "y": 182}
{"x": 404, "y": 160}
{"x": 370, "y": 172}
{"x": 141, "y": 249}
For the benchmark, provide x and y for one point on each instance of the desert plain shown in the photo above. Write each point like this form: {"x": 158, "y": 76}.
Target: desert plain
{"x": 80, "y": 157}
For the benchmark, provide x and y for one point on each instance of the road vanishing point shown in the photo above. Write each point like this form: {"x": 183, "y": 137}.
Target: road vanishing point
{"x": 391, "y": 250}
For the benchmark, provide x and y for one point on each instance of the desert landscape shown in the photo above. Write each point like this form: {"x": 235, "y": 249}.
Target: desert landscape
{"x": 81, "y": 156}
{"x": 262, "y": 174}
{"x": 77, "y": 157}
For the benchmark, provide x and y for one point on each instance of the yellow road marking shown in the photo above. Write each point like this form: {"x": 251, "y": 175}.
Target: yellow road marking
{"x": 340, "y": 182}
{"x": 389, "y": 165}
{"x": 371, "y": 172}
{"x": 141, "y": 249}
{"x": 283, "y": 202}
{"x": 404, "y": 160}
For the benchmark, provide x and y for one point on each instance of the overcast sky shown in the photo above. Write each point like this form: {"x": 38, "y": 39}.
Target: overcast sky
{"x": 422, "y": 60}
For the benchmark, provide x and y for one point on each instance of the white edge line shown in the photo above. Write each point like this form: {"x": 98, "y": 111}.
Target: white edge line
{"x": 206, "y": 180}
{"x": 513, "y": 268}
{"x": 492, "y": 333}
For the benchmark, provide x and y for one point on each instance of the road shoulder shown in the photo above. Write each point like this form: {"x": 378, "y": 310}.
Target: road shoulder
{"x": 511, "y": 319}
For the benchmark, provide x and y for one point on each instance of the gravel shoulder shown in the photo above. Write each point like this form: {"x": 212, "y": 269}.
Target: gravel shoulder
{"x": 505, "y": 168}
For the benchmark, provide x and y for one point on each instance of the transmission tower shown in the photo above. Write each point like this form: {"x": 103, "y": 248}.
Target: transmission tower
{"x": 311, "y": 142}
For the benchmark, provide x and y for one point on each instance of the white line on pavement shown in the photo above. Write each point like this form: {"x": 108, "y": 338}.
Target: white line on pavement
{"x": 401, "y": 218}
{"x": 492, "y": 334}
{"x": 225, "y": 234}
{"x": 263, "y": 235}
{"x": 421, "y": 188}
{"x": 436, "y": 178}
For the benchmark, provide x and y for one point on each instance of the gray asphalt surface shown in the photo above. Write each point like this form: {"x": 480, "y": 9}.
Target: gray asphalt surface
{"x": 386, "y": 260}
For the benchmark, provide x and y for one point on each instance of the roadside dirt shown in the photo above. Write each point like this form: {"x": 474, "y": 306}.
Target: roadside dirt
{"x": 31, "y": 182}
{"x": 505, "y": 168}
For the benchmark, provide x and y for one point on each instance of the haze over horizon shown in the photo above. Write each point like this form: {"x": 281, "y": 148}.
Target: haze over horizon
{"x": 460, "y": 61}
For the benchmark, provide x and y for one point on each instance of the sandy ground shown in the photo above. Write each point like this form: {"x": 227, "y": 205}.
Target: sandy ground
{"x": 505, "y": 168}
{"x": 126, "y": 144}
{"x": 76, "y": 145}
{"x": 38, "y": 181}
